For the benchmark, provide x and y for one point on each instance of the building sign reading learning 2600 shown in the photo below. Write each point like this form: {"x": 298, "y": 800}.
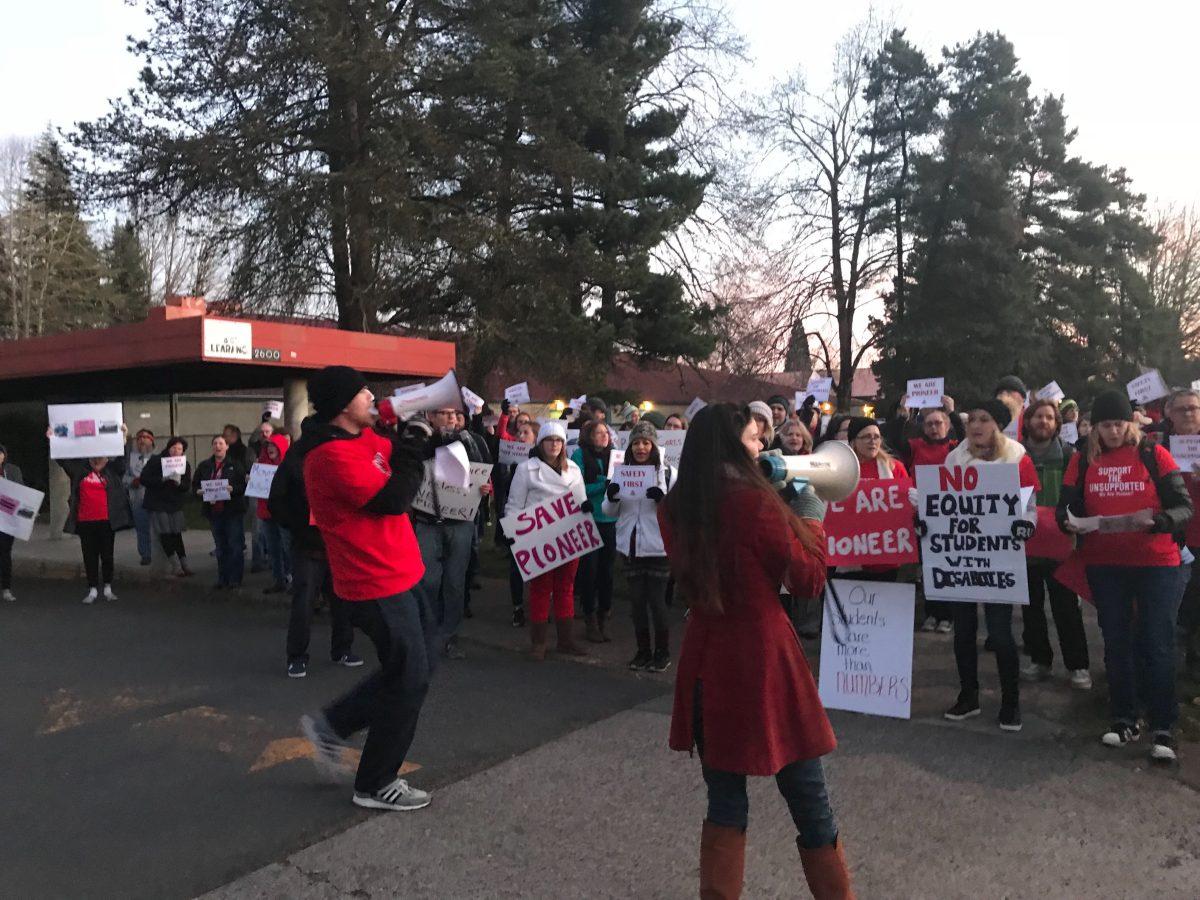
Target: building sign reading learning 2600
{"x": 227, "y": 340}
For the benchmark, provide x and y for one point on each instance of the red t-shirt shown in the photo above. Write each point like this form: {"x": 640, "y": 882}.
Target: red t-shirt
{"x": 1118, "y": 484}
{"x": 93, "y": 499}
{"x": 370, "y": 555}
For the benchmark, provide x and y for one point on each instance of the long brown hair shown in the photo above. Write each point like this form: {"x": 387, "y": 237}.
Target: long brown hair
{"x": 557, "y": 463}
{"x": 1133, "y": 438}
{"x": 714, "y": 458}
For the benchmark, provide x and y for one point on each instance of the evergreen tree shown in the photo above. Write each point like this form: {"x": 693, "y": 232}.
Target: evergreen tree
{"x": 129, "y": 280}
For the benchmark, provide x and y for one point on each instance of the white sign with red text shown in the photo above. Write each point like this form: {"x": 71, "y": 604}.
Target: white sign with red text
{"x": 634, "y": 480}
{"x": 550, "y": 535}
{"x": 926, "y": 393}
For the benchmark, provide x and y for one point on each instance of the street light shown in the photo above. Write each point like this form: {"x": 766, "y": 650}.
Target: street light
{"x": 559, "y": 405}
{"x": 646, "y": 406}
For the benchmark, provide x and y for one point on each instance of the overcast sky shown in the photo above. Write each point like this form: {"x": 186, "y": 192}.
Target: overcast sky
{"x": 1127, "y": 70}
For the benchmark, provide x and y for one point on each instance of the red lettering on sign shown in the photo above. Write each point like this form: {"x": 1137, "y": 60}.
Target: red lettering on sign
{"x": 958, "y": 478}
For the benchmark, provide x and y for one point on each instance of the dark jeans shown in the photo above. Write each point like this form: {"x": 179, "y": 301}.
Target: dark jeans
{"x": 141, "y": 524}
{"x": 279, "y": 548}
{"x": 1137, "y": 606}
{"x": 388, "y": 702}
{"x": 998, "y": 617}
{"x": 594, "y": 582}
{"x": 229, "y": 537}
{"x": 6, "y": 545}
{"x": 172, "y": 544}
{"x": 1189, "y": 613}
{"x": 648, "y": 592}
{"x": 96, "y": 541}
{"x": 310, "y": 579}
{"x": 516, "y": 584}
{"x": 446, "y": 552}
{"x": 1068, "y": 618}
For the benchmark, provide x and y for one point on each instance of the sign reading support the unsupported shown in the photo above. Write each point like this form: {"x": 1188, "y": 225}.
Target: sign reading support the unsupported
{"x": 873, "y": 526}
{"x": 550, "y": 535}
{"x": 871, "y": 672}
{"x": 969, "y": 552}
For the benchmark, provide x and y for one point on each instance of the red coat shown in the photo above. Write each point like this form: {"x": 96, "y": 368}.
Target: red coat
{"x": 760, "y": 705}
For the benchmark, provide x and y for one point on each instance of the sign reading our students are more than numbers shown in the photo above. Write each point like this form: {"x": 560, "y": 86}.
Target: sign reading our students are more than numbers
{"x": 926, "y": 393}
{"x": 968, "y": 552}
{"x": 871, "y": 671}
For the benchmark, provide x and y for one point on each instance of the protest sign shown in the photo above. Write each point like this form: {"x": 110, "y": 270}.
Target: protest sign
{"x": 1069, "y": 433}
{"x": 872, "y": 671}
{"x": 694, "y": 407}
{"x": 818, "y": 388}
{"x": 550, "y": 534}
{"x": 873, "y": 526}
{"x": 620, "y": 439}
{"x": 572, "y": 439}
{"x": 1129, "y": 523}
{"x": 451, "y": 501}
{"x": 969, "y": 552}
{"x": 19, "y": 507}
{"x": 577, "y": 403}
{"x": 215, "y": 490}
{"x": 615, "y": 458}
{"x": 82, "y": 430}
{"x": 473, "y": 401}
{"x": 634, "y": 480}
{"x": 517, "y": 393}
{"x": 1049, "y": 541}
{"x": 261, "y": 476}
{"x": 1186, "y": 450}
{"x": 173, "y": 465}
{"x": 274, "y": 407}
{"x": 452, "y": 465}
{"x": 513, "y": 452}
{"x": 1051, "y": 392}
{"x": 1147, "y": 388}
{"x": 926, "y": 393}
{"x": 670, "y": 444}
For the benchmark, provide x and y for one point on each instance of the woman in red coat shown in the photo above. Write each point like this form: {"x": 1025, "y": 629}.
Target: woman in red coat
{"x": 745, "y": 698}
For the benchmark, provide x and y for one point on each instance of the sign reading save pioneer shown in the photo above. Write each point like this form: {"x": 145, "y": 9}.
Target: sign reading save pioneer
{"x": 550, "y": 534}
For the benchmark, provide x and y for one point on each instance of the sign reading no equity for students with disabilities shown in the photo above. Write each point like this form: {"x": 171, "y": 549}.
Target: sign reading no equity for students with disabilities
{"x": 969, "y": 552}
{"x": 550, "y": 534}
{"x": 871, "y": 671}
{"x": 873, "y": 526}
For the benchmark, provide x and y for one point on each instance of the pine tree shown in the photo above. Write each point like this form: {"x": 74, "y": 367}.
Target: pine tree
{"x": 129, "y": 280}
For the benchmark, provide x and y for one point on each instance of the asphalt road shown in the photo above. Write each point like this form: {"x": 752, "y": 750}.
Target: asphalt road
{"x": 150, "y": 745}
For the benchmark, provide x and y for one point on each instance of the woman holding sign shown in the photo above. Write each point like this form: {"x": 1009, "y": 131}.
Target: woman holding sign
{"x": 987, "y": 444}
{"x": 278, "y": 540}
{"x": 874, "y": 463}
{"x": 167, "y": 479}
{"x": 745, "y": 698}
{"x": 595, "y": 580}
{"x": 502, "y": 476}
{"x": 547, "y": 475}
{"x": 1132, "y": 563}
{"x": 221, "y": 482}
{"x": 11, "y": 473}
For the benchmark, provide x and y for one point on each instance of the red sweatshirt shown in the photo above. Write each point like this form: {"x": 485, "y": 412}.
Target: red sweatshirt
{"x": 370, "y": 556}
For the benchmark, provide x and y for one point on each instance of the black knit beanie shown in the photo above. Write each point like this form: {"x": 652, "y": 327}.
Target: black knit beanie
{"x": 598, "y": 404}
{"x": 1011, "y": 383}
{"x": 1112, "y": 406}
{"x": 994, "y": 408}
{"x": 857, "y": 424}
{"x": 332, "y": 389}
{"x": 779, "y": 400}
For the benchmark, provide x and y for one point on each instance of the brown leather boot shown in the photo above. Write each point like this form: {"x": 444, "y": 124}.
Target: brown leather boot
{"x": 566, "y": 640}
{"x": 592, "y": 630}
{"x": 826, "y": 873}
{"x": 537, "y": 638}
{"x": 722, "y": 862}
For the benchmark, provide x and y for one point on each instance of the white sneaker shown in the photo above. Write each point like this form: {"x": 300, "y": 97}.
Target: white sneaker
{"x": 108, "y": 593}
{"x": 396, "y": 796}
{"x": 1035, "y": 672}
{"x": 1081, "y": 679}
{"x": 8, "y": 596}
{"x": 930, "y": 624}
{"x": 327, "y": 747}
{"x": 92, "y": 594}
{"x": 945, "y": 626}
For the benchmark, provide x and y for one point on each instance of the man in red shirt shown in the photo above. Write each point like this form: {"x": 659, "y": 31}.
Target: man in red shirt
{"x": 360, "y": 485}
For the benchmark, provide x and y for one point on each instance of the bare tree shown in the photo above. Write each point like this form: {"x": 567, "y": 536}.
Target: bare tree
{"x": 1174, "y": 273}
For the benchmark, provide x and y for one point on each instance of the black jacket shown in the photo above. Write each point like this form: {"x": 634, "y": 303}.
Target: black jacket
{"x": 11, "y": 473}
{"x": 120, "y": 515}
{"x": 288, "y": 503}
{"x": 163, "y": 494}
{"x": 235, "y": 471}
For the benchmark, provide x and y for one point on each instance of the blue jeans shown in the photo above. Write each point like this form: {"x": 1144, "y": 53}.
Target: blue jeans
{"x": 446, "y": 552}
{"x": 229, "y": 536}
{"x": 260, "y": 546}
{"x": 141, "y": 524}
{"x": 279, "y": 548}
{"x": 802, "y": 785}
{"x": 1139, "y": 646}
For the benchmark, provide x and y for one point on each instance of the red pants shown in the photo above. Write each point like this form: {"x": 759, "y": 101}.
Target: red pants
{"x": 558, "y": 582}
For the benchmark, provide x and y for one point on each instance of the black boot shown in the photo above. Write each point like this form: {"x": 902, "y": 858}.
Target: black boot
{"x": 662, "y": 651}
{"x": 644, "y": 657}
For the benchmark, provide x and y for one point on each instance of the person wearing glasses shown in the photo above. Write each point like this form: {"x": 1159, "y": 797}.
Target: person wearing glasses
{"x": 874, "y": 462}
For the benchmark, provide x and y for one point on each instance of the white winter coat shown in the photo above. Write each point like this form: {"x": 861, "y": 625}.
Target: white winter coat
{"x": 535, "y": 482}
{"x": 641, "y": 515}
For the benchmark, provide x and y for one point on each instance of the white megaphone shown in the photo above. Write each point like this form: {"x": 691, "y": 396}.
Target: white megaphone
{"x": 442, "y": 393}
{"x": 832, "y": 470}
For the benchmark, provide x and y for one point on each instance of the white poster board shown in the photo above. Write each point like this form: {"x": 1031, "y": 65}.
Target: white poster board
{"x": 173, "y": 465}
{"x": 926, "y": 393}
{"x": 1069, "y": 432}
{"x": 968, "y": 552}
{"x": 512, "y": 452}
{"x": 83, "y": 430}
{"x": 634, "y": 481}
{"x": 215, "y": 490}
{"x": 261, "y": 476}
{"x": 572, "y": 440}
{"x": 872, "y": 671}
{"x": 452, "y": 465}
{"x": 1147, "y": 388}
{"x": 274, "y": 407}
{"x": 615, "y": 458}
{"x": 694, "y": 407}
{"x": 1186, "y": 450}
{"x": 459, "y": 504}
{"x": 473, "y": 401}
{"x": 550, "y": 534}
{"x": 819, "y": 388}
{"x": 670, "y": 444}
{"x": 578, "y": 403}
{"x": 517, "y": 393}
{"x": 19, "y": 506}
{"x": 1051, "y": 392}
{"x": 620, "y": 439}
